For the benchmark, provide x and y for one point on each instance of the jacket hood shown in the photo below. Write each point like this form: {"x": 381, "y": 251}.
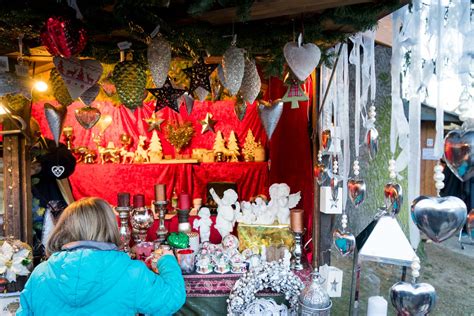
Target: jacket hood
{"x": 83, "y": 275}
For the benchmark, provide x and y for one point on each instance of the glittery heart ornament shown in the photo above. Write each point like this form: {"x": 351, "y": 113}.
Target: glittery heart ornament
{"x": 159, "y": 59}
{"x": 55, "y": 117}
{"x": 251, "y": 83}
{"x": 87, "y": 116}
{"x": 302, "y": 58}
{"x": 270, "y": 115}
{"x": 63, "y": 37}
{"x": 233, "y": 66}
{"x": 60, "y": 92}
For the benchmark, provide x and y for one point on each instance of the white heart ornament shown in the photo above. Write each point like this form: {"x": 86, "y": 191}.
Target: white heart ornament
{"x": 302, "y": 59}
{"x": 57, "y": 171}
{"x": 78, "y": 75}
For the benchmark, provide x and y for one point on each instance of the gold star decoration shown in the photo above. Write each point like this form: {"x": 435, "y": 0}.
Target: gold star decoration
{"x": 154, "y": 122}
{"x": 208, "y": 124}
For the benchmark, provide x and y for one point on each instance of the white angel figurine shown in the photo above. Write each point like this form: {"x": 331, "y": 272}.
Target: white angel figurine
{"x": 282, "y": 201}
{"x": 227, "y": 209}
{"x": 247, "y": 216}
{"x": 204, "y": 224}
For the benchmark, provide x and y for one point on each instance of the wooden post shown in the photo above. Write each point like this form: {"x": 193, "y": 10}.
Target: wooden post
{"x": 16, "y": 187}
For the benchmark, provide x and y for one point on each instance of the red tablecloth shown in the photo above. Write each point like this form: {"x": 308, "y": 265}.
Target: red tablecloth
{"x": 107, "y": 180}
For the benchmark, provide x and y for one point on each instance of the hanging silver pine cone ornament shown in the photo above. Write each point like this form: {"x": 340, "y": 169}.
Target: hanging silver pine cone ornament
{"x": 130, "y": 80}
{"x": 251, "y": 83}
{"x": 60, "y": 92}
{"x": 159, "y": 59}
{"x": 233, "y": 65}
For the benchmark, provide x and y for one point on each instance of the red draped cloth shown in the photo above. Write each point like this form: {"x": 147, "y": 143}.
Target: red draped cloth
{"x": 289, "y": 149}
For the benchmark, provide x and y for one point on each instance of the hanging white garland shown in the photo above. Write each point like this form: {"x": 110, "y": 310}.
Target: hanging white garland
{"x": 275, "y": 275}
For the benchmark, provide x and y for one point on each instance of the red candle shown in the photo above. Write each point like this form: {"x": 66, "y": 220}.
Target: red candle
{"x": 123, "y": 199}
{"x": 184, "y": 202}
{"x": 160, "y": 192}
{"x": 138, "y": 200}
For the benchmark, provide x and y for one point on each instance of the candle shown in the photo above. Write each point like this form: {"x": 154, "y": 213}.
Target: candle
{"x": 160, "y": 192}
{"x": 184, "y": 202}
{"x": 296, "y": 220}
{"x": 377, "y": 306}
{"x": 138, "y": 200}
{"x": 123, "y": 199}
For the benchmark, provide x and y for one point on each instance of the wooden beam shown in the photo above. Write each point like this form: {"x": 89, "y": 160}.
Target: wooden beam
{"x": 383, "y": 34}
{"x": 267, "y": 9}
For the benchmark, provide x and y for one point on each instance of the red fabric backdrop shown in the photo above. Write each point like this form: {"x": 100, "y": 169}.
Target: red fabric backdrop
{"x": 289, "y": 149}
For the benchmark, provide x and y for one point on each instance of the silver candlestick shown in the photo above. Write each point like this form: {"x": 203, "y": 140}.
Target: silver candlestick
{"x": 125, "y": 234}
{"x": 141, "y": 219}
{"x": 298, "y": 251}
{"x": 162, "y": 232}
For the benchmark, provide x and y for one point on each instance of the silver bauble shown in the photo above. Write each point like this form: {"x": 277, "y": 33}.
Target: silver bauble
{"x": 233, "y": 65}
{"x": 159, "y": 59}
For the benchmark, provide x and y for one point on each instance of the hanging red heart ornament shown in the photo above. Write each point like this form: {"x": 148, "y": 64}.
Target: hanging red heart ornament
{"x": 63, "y": 37}
{"x": 87, "y": 116}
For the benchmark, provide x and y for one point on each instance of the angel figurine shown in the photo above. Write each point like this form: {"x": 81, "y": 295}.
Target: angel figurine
{"x": 227, "y": 209}
{"x": 281, "y": 201}
{"x": 204, "y": 224}
{"x": 247, "y": 216}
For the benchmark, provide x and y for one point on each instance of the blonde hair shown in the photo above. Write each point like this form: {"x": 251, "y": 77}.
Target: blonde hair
{"x": 87, "y": 219}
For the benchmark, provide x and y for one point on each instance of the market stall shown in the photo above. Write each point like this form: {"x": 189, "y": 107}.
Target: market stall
{"x": 247, "y": 139}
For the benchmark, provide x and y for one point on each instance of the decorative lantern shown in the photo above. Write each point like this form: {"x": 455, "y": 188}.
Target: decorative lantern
{"x": 314, "y": 300}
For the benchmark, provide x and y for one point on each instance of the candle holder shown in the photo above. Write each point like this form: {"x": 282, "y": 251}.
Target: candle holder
{"x": 298, "y": 251}
{"x": 68, "y": 133}
{"x": 142, "y": 219}
{"x": 124, "y": 231}
{"x": 162, "y": 232}
{"x": 183, "y": 221}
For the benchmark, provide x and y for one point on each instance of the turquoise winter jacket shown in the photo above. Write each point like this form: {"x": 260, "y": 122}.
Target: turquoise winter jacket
{"x": 97, "y": 282}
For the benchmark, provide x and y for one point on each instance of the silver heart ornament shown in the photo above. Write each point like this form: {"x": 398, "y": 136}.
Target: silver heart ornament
{"x": 357, "y": 190}
{"x": 189, "y": 101}
{"x": 413, "y": 299}
{"x": 344, "y": 242}
{"x": 270, "y": 115}
{"x": 458, "y": 153}
{"x": 302, "y": 59}
{"x": 87, "y": 116}
{"x": 89, "y": 96}
{"x": 393, "y": 196}
{"x": 372, "y": 142}
{"x": 233, "y": 66}
{"x": 159, "y": 60}
{"x": 320, "y": 172}
{"x": 57, "y": 171}
{"x": 78, "y": 75}
{"x": 439, "y": 217}
{"x": 55, "y": 117}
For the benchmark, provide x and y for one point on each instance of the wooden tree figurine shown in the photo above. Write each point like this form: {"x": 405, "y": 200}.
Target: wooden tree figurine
{"x": 155, "y": 151}
{"x": 233, "y": 147}
{"x": 219, "y": 144}
{"x": 249, "y": 146}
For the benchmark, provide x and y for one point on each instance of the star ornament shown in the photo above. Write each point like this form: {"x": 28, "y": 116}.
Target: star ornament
{"x": 199, "y": 75}
{"x": 154, "y": 123}
{"x": 167, "y": 96}
{"x": 208, "y": 124}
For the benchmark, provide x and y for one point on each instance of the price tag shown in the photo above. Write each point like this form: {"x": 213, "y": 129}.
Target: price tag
{"x": 124, "y": 45}
{"x": 21, "y": 70}
{"x": 155, "y": 31}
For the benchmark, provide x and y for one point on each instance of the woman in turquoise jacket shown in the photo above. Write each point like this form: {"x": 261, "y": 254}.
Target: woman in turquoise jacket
{"x": 87, "y": 275}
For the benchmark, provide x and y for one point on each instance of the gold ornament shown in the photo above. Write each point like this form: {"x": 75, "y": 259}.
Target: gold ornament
{"x": 180, "y": 135}
{"x": 208, "y": 124}
{"x": 154, "y": 122}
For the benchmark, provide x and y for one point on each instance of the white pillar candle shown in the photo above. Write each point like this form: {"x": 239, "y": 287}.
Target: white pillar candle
{"x": 377, "y": 306}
